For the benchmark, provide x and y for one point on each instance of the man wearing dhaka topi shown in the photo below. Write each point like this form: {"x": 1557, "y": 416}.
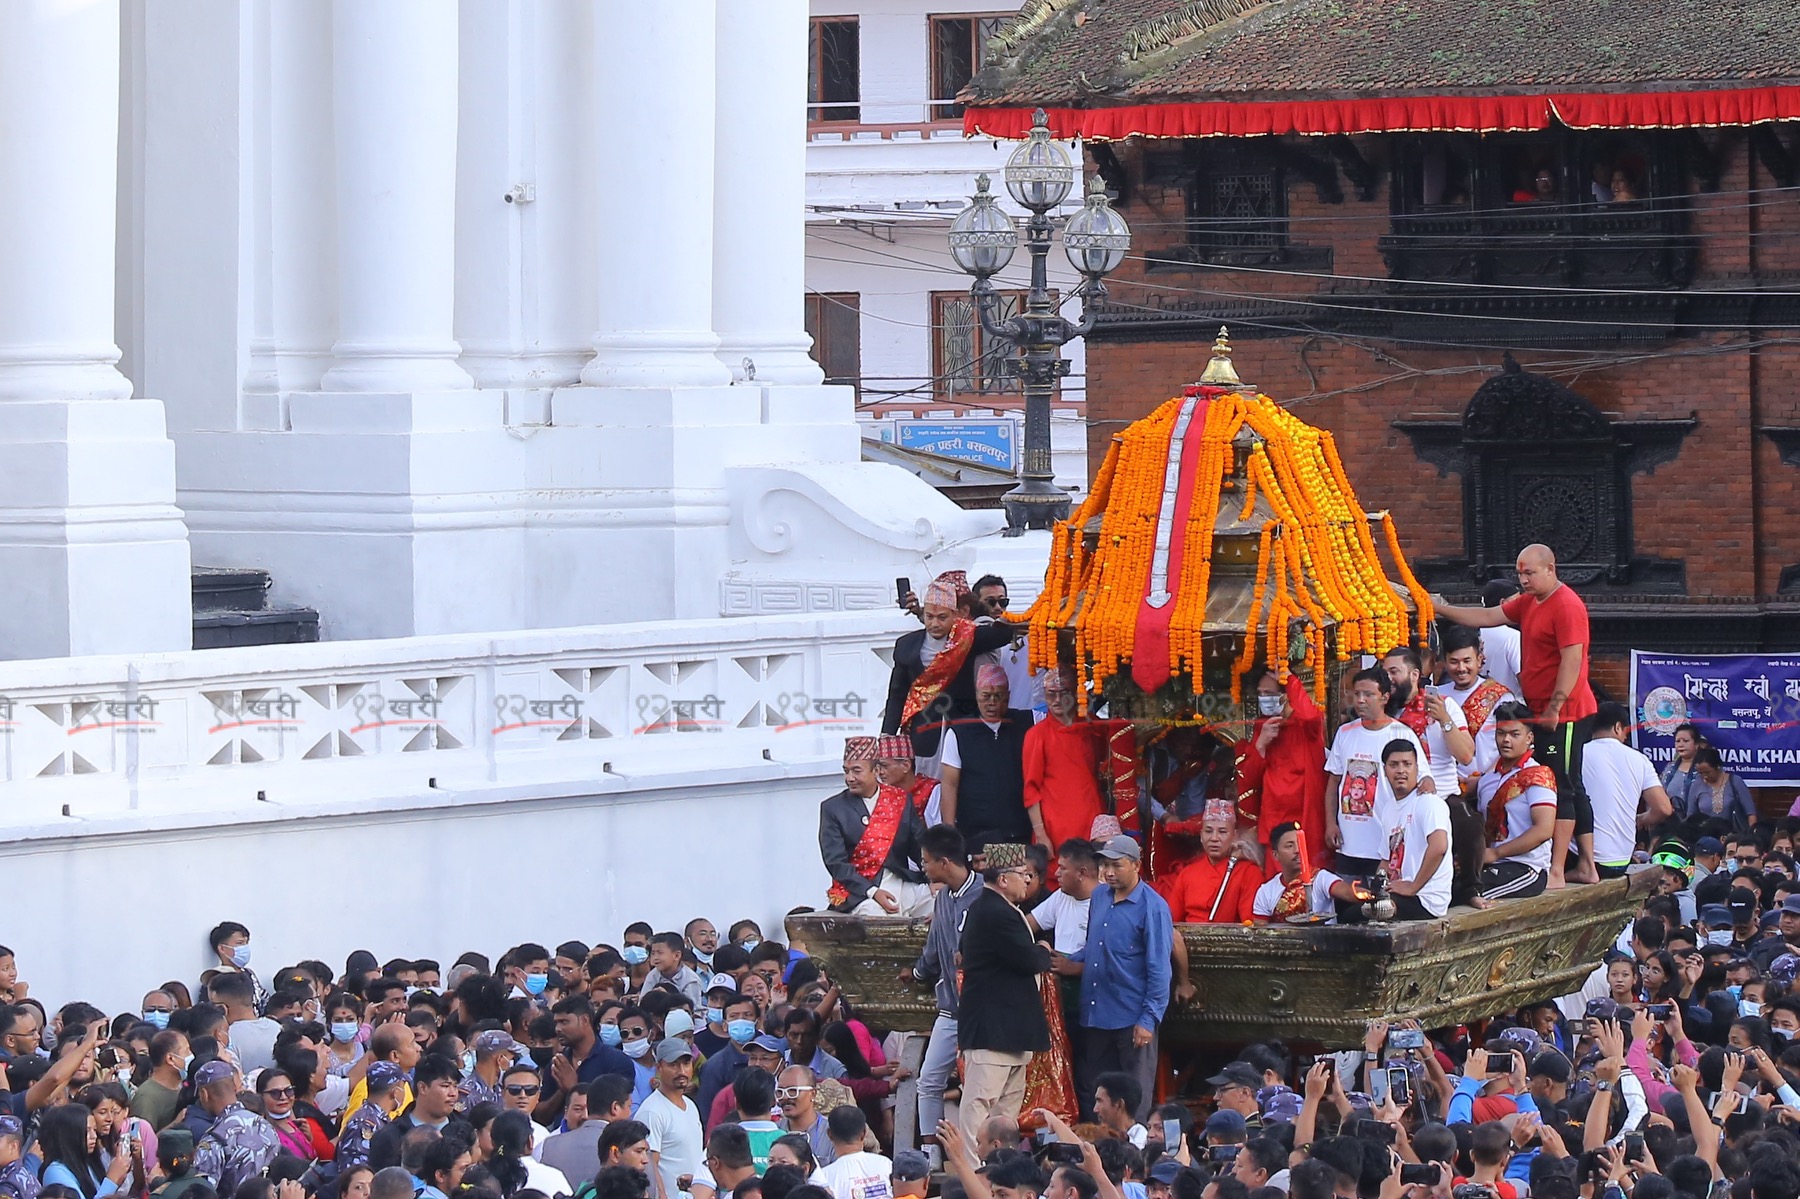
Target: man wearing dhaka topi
{"x": 869, "y": 839}
{"x": 933, "y": 681}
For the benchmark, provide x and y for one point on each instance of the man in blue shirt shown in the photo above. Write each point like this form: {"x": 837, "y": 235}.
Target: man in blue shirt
{"x": 1125, "y": 971}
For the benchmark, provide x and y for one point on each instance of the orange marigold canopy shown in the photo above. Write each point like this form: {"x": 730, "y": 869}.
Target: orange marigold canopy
{"x": 1217, "y": 467}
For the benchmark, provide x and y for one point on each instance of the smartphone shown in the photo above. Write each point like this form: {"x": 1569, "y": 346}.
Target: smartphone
{"x": 1222, "y": 1153}
{"x": 1399, "y": 1085}
{"x": 902, "y": 585}
{"x": 1042, "y": 1136}
{"x": 1634, "y": 1146}
{"x": 1406, "y": 1038}
{"x": 1381, "y": 1134}
{"x": 1500, "y": 1064}
{"x": 1660, "y": 1011}
{"x": 1425, "y": 1175}
{"x": 1171, "y": 1135}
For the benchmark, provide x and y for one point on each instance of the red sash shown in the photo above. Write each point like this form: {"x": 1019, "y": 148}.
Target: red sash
{"x": 921, "y": 793}
{"x": 1415, "y": 717}
{"x": 1295, "y": 899}
{"x": 878, "y": 837}
{"x": 934, "y": 678}
{"x": 1481, "y": 702}
{"x": 1529, "y": 774}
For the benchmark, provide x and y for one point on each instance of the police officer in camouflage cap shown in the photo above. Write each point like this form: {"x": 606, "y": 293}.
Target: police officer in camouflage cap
{"x": 240, "y": 1144}
{"x": 384, "y": 1081}
{"x": 16, "y": 1179}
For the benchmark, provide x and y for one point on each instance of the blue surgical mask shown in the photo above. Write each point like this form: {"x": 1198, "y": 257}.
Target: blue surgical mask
{"x": 1749, "y": 1007}
{"x": 1780, "y": 1034}
{"x": 742, "y": 1032}
{"x": 705, "y": 958}
{"x": 750, "y": 943}
{"x": 535, "y": 983}
{"x": 344, "y": 1032}
{"x": 240, "y": 955}
{"x": 159, "y": 1020}
{"x": 1718, "y": 936}
{"x": 1269, "y": 705}
{"x": 187, "y": 1064}
{"x": 715, "y": 1015}
{"x": 637, "y": 1048}
{"x": 635, "y": 955}
{"x": 609, "y": 1035}
{"x": 468, "y": 1062}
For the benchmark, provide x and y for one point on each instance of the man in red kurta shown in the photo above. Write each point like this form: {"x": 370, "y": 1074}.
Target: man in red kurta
{"x": 1062, "y": 767}
{"x": 1281, "y": 765}
{"x": 1218, "y": 887}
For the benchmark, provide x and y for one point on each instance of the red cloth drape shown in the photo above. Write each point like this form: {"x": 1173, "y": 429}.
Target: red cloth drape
{"x": 1403, "y": 114}
{"x": 1150, "y": 646}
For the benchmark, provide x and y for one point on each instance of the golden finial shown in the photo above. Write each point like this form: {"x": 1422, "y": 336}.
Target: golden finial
{"x": 1220, "y": 372}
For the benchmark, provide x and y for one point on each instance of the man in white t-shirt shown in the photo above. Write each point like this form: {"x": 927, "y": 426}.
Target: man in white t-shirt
{"x": 1476, "y": 694}
{"x": 677, "y": 1144}
{"x": 1064, "y": 912}
{"x": 1418, "y": 864}
{"x": 1354, "y": 785}
{"x": 853, "y": 1174}
{"x": 1517, "y": 800}
{"x": 1434, "y": 718}
{"x": 1623, "y": 787}
{"x": 1288, "y": 894}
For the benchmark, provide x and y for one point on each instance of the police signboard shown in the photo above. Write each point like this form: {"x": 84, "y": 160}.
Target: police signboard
{"x": 990, "y": 443}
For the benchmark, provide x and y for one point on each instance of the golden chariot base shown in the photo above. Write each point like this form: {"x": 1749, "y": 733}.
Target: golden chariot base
{"x": 1304, "y": 983}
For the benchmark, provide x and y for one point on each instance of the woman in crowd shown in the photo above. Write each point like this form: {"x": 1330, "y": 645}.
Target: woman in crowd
{"x": 68, "y": 1144}
{"x": 1719, "y": 794}
{"x": 298, "y": 1134}
{"x": 1679, "y": 778}
{"x": 510, "y": 1160}
{"x": 115, "y": 1129}
{"x": 794, "y": 1150}
{"x": 345, "y": 1035}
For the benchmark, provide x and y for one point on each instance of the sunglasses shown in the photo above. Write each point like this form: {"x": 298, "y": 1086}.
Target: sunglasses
{"x": 996, "y": 601}
{"x": 279, "y": 1093}
{"x": 1744, "y": 860}
{"x": 159, "y": 1009}
{"x": 523, "y": 1088}
{"x": 790, "y": 1092}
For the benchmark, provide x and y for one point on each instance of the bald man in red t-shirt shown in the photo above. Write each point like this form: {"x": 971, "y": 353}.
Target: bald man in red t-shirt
{"x": 1553, "y": 674}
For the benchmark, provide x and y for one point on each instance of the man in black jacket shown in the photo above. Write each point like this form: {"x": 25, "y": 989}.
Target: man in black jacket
{"x": 435, "y": 1096}
{"x": 948, "y": 631}
{"x": 869, "y": 840}
{"x": 1000, "y": 1019}
{"x": 982, "y": 788}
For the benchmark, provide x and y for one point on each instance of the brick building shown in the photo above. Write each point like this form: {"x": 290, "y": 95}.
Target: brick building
{"x": 1396, "y": 206}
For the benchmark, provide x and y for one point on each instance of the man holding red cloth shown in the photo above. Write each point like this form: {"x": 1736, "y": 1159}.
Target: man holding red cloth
{"x": 1281, "y": 765}
{"x": 869, "y": 840}
{"x": 1062, "y": 767}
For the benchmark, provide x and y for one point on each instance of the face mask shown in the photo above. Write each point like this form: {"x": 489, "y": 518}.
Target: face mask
{"x": 1749, "y": 1007}
{"x": 468, "y": 1062}
{"x": 705, "y": 958}
{"x": 741, "y": 1031}
{"x": 287, "y": 1115}
{"x": 411, "y": 991}
{"x": 157, "y": 1020}
{"x": 750, "y": 943}
{"x": 542, "y": 1055}
{"x": 343, "y": 1033}
{"x": 240, "y": 955}
{"x": 715, "y": 1015}
{"x": 1780, "y": 1034}
{"x": 1269, "y": 705}
{"x": 635, "y": 955}
{"x": 609, "y": 1035}
{"x": 535, "y": 983}
{"x": 1718, "y": 936}
{"x": 187, "y": 1063}
{"x": 637, "y": 1048}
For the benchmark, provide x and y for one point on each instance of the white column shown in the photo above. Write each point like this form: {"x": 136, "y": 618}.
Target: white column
{"x": 759, "y": 189}
{"x": 656, "y": 102}
{"x": 93, "y": 552}
{"x": 394, "y": 101}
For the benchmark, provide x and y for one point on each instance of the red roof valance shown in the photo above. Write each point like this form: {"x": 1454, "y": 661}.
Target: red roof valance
{"x": 1402, "y": 114}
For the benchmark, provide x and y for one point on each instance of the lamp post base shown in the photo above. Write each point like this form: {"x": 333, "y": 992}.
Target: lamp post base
{"x": 1034, "y": 504}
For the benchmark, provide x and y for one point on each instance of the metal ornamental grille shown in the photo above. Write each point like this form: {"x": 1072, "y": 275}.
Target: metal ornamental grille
{"x": 1243, "y": 212}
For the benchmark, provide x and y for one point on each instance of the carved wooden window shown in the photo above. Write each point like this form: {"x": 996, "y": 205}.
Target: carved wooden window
{"x": 1237, "y": 207}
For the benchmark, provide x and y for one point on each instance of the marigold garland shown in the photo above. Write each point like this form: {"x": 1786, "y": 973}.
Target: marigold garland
{"x": 1317, "y": 560}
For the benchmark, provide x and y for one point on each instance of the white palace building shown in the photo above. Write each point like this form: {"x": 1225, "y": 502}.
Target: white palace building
{"x": 478, "y": 326}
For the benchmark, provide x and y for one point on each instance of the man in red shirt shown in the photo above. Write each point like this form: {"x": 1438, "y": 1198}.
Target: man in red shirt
{"x": 1062, "y": 767}
{"x": 1553, "y": 674}
{"x": 1219, "y": 886}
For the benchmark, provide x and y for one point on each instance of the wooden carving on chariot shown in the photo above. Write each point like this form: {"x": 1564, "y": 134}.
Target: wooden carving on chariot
{"x": 1222, "y": 537}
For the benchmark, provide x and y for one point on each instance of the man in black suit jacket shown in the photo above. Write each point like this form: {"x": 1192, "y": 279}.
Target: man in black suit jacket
{"x": 865, "y": 808}
{"x": 957, "y": 698}
{"x": 1000, "y": 1018}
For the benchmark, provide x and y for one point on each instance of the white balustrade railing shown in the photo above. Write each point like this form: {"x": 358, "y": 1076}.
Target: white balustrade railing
{"x": 91, "y": 743}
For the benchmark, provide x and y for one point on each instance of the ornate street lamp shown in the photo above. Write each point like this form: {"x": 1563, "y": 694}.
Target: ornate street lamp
{"x": 1039, "y": 176}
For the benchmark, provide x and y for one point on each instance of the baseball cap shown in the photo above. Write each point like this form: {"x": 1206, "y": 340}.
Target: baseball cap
{"x": 1784, "y": 969}
{"x": 677, "y": 1022}
{"x": 1165, "y": 1171}
{"x": 1709, "y": 845}
{"x": 1279, "y": 1103}
{"x": 1550, "y": 1064}
{"x": 1119, "y": 847}
{"x": 673, "y": 1049}
{"x": 382, "y": 1075}
{"x": 770, "y": 1044}
{"x": 212, "y": 1072}
{"x": 497, "y": 1040}
{"x": 1742, "y": 905}
{"x": 1791, "y": 905}
{"x": 1226, "y": 1123}
{"x": 1521, "y": 1040}
{"x": 1602, "y": 1007}
{"x": 10, "y": 1127}
{"x": 1715, "y": 914}
{"x": 1237, "y": 1074}
{"x": 722, "y": 982}
{"x": 910, "y": 1165}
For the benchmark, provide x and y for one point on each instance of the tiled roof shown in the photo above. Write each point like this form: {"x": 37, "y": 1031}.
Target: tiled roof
{"x": 1100, "y": 52}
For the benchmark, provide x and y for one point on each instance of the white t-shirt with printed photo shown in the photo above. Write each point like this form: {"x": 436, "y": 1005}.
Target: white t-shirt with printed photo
{"x": 1355, "y": 756}
{"x": 1411, "y": 821}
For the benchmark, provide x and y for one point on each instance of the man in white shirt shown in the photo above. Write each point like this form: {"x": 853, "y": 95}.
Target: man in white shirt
{"x": 1474, "y": 693}
{"x": 1064, "y": 912}
{"x": 1517, "y": 800}
{"x": 676, "y": 1141}
{"x": 1623, "y": 787}
{"x": 1419, "y": 865}
{"x": 1354, "y": 784}
{"x": 853, "y": 1174}
{"x": 1435, "y": 719}
{"x": 1287, "y": 893}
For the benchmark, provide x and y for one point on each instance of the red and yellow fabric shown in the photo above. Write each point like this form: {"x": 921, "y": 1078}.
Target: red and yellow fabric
{"x": 877, "y": 839}
{"x": 1699, "y": 109}
{"x": 1481, "y": 703}
{"x": 1531, "y": 774}
{"x": 934, "y": 678}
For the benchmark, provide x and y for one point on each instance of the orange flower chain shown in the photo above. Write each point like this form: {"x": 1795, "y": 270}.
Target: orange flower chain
{"x": 1317, "y": 562}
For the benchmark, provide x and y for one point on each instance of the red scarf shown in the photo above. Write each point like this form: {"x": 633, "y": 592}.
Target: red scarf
{"x": 934, "y": 678}
{"x": 1415, "y": 717}
{"x": 921, "y": 791}
{"x": 1529, "y": 774}
{"x": 1483, "y": 700}
{"x": 878, "y": 837}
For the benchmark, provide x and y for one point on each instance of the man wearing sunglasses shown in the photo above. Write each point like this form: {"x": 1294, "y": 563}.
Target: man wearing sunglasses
{"x": 991, "y": 603}
{"x": 519, "y": 1090}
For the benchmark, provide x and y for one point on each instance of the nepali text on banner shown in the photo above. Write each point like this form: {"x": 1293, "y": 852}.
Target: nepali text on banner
{"x": 1747, "y": 706}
